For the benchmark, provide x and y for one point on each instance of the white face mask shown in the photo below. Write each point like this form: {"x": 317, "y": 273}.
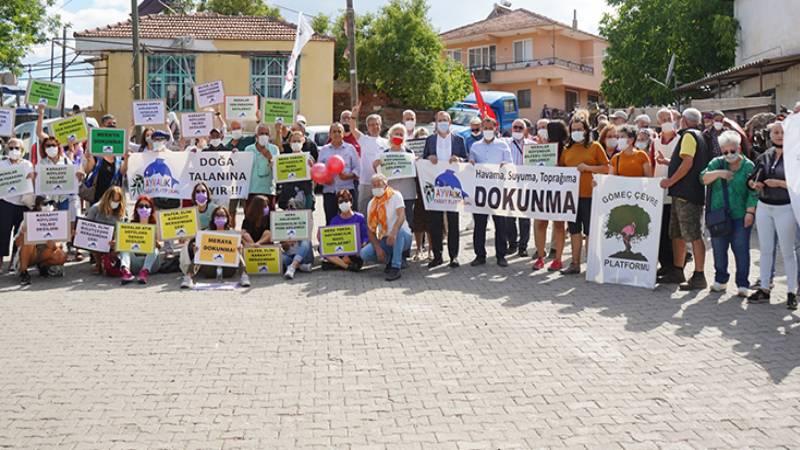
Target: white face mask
{"x": 378, "y": 192}
{"x": 296, "y": 146}
{"x": 717, "y": 126}
{"x": 52, "y": 152}
{"x": 443, "y": 127}
{"x": 542, "y": 133}
{"x": 114, "y": 205}
{"x": 236, "y": 134}
{"x": 612, "y": 143}
{"x": 148, "y": 140}
{"x": 345, "y": 207}
{"x": 488, "y": 135}
{"x": 263, "y": 140}
{"x": 641, "y": 145}
{"x": 14, "y": 155}
{"x": 215, "y": 142}
{"x": 410, "y": 124}
{"x": 517, "y": 135}
{"x": 577, "y": 136}
{"x": 668, "y": 127}
{"x": 732, "y": 157}
{"x": 159, "y": 145}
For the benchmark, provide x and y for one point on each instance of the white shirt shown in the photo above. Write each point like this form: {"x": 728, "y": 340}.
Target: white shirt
{"x": 391, "y": 213}
{"x": 518, "y": 150}
{"x": 495, "y": 152}
{"x": 444, "y": 147}
{"x": 662, "y": 170}
{"x": 371, "y": 149}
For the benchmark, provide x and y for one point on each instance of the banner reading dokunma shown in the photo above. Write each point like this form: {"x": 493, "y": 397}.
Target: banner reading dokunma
{"x": 791, "y": 160}
{"x": 174, "y": 174}
{"x": 56, "y": 179}
{"x": 290, "y": 167}
{"x": 218, "y": 248}
{"x": 135, "y": 237}
{"x": 545, "y": 193}
{"x": 43, "y": 226}
{"x": 177, "y": 223}
{"x": 263, "y": 260}
{"x": 14, "y": 181}
{"x": 340, "y": 240}
{"x": 70, "y": 129}
{"x": 625, "y": 231}
{"x": 294, "y": 225}
{"x": 93, "y": 236}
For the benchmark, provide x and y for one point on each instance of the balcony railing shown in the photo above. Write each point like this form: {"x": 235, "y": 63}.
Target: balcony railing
{"x": 544, "y": 62}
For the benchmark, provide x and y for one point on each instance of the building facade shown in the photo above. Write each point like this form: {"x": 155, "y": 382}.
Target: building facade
{"x": 542, "y": 61}
{"x": 249, "y": 54}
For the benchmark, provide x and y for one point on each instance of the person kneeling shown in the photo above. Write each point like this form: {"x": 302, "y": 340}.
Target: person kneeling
{"x": 143, "y": 213}
{"x": 220, "y": 221}
{"x": 346, "y": 216}
{"x": 49, "y": 257}
{"x": 389, "y": 233}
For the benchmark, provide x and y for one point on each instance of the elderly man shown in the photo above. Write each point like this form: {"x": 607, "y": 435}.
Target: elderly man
{"x": 346, "y": 179}
{"x": 619, "y": 118}
{"x": 688, "y": 197}
{"x": 238, "y": 140}
{"x": 389, "y": 234}
{"x": 372, "y": 146}
{"x": 410, "y": 123}
{"x": 541, "y": 132}
{"x": 517, "y": 143}
{"x": 215, "y": 141}
{"x": 349, "y": 137}
{"x": 475, "y": 132}
{"x": 642, "y": 121}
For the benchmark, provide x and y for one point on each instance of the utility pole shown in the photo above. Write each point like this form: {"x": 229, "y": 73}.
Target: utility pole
{"x": 63, "y": 68}
{"x": 351, "y": 48}
{"x": 52, "y": 57}
{"x": 137, "y": 93}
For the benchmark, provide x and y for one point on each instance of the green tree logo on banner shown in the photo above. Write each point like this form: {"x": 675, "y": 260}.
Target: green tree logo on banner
{"x": 631, "y": 223}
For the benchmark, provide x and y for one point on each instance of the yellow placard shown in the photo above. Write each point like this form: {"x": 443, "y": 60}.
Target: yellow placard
{"x": 218, "y": 248}
{"x": 135, "y": 237}
{"x": 177, "y": 223}
{"x": 263, "y": 260}
{"x": 71, "y": 129}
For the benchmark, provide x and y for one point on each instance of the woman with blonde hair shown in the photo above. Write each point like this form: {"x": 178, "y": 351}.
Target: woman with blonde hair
{"x": 109, "y": 210}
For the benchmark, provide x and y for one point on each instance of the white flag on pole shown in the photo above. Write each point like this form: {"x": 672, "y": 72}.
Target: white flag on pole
{"x": 304, "y": 34}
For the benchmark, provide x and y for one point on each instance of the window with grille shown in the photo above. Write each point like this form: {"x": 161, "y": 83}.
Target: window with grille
{"x": 171, "y": 77}
{"x": 267, "y": 74}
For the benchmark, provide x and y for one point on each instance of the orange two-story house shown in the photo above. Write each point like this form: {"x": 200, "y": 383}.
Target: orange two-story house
{"x": 542, "y": 61}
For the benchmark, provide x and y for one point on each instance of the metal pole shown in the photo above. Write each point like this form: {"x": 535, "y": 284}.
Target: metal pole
{"x": 63, "y": 68}
{"x": 52, "y": 57}
{"x": 135, "y": 32}
{"x": 351, "y": 48}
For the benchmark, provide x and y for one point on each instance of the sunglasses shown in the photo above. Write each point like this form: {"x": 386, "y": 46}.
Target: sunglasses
{"x": 518, "y": 128}
{"x": 13, "y": 148}
{"x": 727, "y": 153}
{"x": 143, "y": 206}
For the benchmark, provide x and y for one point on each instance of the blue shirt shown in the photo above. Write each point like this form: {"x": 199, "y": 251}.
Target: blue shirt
{"x": 351, "y": 165}
{"x": 495, "y": 152}
{"x": 261, "y": 179}
{"x": 471, "y": 140}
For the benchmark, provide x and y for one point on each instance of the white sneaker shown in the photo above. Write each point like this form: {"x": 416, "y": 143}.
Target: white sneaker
{"x": 244, "y": 281}
{"x": 743, "y": 292}
{"x": 289, "y": 275}
{"x": 187, "y": 282}
{"x": 719, "y": 287}
{"x": 305, "y": 268}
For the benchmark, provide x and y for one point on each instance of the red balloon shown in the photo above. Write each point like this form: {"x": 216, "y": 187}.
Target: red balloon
{"x": 319, "y": 173}
{"x": 335, "y": 164}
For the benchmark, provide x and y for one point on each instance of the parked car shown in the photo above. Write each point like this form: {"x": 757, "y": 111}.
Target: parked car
{"x": 318, "y": 134}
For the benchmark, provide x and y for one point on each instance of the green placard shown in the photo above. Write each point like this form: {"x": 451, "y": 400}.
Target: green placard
{"x": 290, "y": 225}
{"x": 398, "y": 165}
{"x": 107, "y": 141}
{"x": 338, "y": 240}
{"x": 44, "y": 93}
{"x": 291, "y": 167}
{"x": 71, "y": 129}
{"x": 278, "y": 110}
{"x": 541, "y": 155}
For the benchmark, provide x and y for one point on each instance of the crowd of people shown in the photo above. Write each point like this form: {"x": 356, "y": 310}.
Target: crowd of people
{"x": 709, "y": 169}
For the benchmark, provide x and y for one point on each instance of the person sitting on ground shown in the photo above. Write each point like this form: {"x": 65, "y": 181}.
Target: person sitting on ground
{"x": 297, "y": 255}
{"x": 143, "y": 213}
{"x": 348, "y": 217}
{"x": 49, "y": 256}
{"x": 109, "y": 210}
{"x": 255, "y": 227}
{"x": 389, "y": 233}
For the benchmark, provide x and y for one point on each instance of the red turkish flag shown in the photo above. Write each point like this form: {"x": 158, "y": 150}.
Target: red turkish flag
{"x": 485, "y": 110}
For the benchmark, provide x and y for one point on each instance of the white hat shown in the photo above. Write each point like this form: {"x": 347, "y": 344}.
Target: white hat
{"x": 620, "y": 115}
{"x": 301, "y": 119}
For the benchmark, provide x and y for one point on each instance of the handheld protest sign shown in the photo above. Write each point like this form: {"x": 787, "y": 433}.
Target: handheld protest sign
{"x": 107, "y": 141}
{"x": 149, "y": 113}
{"x": 291, "y": 167}
{"x": 7, "y": 117}
{"x": 294, "y": 225}
{"x": 93, "y": 236}
{"x": 135, "y": 237}
{"x": 217, "y": 248}
{"x": 70, "y": 129}
{"x": 46, "y": 93}
{"x": 264, "y": 260}
{"x": 417, "y": 146}
{"x": 241, "y": 107}
{"x": 339, "y": 240}
{"x": 540, "y": 155}
{"x": 395, "y": 165}
{"x": 196, "y": 124}
{"x": 14, "y": 181}
{"x": 43, "y": 226}
{"x": 278, "y": 110}
{"x": 56, "y": 179}
{"x": 209, "y": 94}
{"x": 177, "y": 223}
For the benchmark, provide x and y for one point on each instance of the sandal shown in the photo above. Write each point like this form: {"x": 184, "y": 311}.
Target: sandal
{"x": 573, "y": 269}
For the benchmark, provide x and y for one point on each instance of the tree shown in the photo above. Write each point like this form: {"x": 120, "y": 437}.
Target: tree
{"x": 341, "y": 61}
{"x": 23, "y": 24}
{"x": 645, "y": 33}
{"x": 321, "y": 23}
{"x": 629, "y": 223}
{"x": 240, "y": 7}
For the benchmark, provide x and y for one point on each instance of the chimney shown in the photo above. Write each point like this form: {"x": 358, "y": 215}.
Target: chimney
{"x": 574, "y": 19}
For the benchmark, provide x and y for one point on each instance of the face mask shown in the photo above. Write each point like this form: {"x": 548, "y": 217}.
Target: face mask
{"x": 542, "y": 133}
{"x": 410, "y": 124}
{"x": 443, "y": 127}
{"x": 220, "y": 222}
{"x": 488, "y": 135}
{"x": 201, "y": 198}
{"x": 476, "y": 134}
{"x": 296, "y": 146}
{"x": 612, "y": 143}
{"x": 668, "y": 127}
{"x": 266, "y": 211}
{"x": 577, "y": 136}
{"x": 641, "y": 145}
{"x": 236, "y": 134}
{"x": 48, "y": 208}
{"x": 160, "y": 145}
{"x": 517, "y": 135}
{"x": 378, "y": 192}
{"x": 732, "y": 157}
{"x": 717, "y": 126}
{"x": 346, "y": 127}
{"x": 345, "y": 206}
{"x": 144, "y": 213}
{"x": 397, "y": 140}
{"x": 114, "y": 205}
{"x": 14, "y": 155}
{"x": 215, "y": 142}
{"x": 148, "y": 140}
{"x": 263, "y": 140}
{"x": 52, "y": 152}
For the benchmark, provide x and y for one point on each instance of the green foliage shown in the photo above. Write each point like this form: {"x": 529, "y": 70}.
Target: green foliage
{"x": 624, "y": 215}
{"x": 321, "y": 23}
{"x": 240, "y": 8}
{"x": 23, "y": 24}
{"x": 645, "y": 33}
{"x": 363, "y": 31}
{"x": 182, "y": 6}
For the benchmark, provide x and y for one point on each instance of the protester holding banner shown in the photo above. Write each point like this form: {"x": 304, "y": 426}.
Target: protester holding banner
{"x": 490, "y": 150}
{"x": 297, "y": 255}
{"x": 726, "y": 177}
{"x": 346, "y": 179}
{"x": 372, "y": 145}
{"x": 102, "y": 173}
{"x": 255, "y": 226}
{"x": 589, "y": 158}
{"x": 262, "y": 181}
{"x": 144, "y": 212}
{"x": 541, "y": 137}
{"x": 49, "y": 257}
{"x": 389, "y": 234}
{"x": 347, "y": 216}
{"x": 109, "y": 210}
{"x": 419, "y": 223}
{"x": 556, "y": 134}
{"x": 630, "y": 161}
{"x": 13, "y": 207}
{"x": 517, "y": 144}
{"x": 298, "y": 189}
{"x": 774, "y": 217}
{"x": 662, "y": 148}
{"x": 201, "y": 198}
{"x": 215, "y": 141}
{"x": 446, "y": 148}
{"x": 221, "y": 222}
{"x": 407, "y": 187}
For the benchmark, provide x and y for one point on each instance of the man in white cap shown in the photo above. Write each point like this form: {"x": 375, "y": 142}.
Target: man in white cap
{"x": 475, "y": 132}
{"x": 619, "y": 118}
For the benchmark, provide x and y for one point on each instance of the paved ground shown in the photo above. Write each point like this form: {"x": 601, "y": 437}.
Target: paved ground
{"x": 466, "y": 358}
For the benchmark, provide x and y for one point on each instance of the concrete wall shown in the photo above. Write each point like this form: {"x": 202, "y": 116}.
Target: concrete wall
{"x": 767, "y": 29}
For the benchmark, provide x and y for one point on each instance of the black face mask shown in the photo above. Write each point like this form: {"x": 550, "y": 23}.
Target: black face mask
{"x": 346, "y": 127}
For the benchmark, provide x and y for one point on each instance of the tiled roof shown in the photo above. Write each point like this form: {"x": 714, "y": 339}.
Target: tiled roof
{"x": 517, "y": 19}
{"x": 202, "y": 26}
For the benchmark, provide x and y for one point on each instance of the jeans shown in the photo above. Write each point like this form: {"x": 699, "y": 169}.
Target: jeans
{"x": 436, "y": 227}
{"x": 302, "y": 255}
{"x": 479, "y": 235}
{"x": 772, "y": 220}
{"x": 739, "y": 242}
{"x": 149, "y": 260}
{"x": 402, "y": 243}
{"x": 524, "y": 232}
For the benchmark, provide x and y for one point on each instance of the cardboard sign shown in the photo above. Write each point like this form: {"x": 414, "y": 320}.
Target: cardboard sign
{"x": 396, "y": 165}
{"x": 290, "y": 167}
{"x": 93, "y": 236}
{"x": 241, "y": 107}
{"x": 290, "y": 225}
{"x": 177, "y": 223}
{"x": 107, "y": 141}
{"x": 277, "y": 110}
{"x": 541, "y": 155}
{"x": 14, "y": 181}
{"x": 417, "y": 146}
{"x": 218, "y": 248}
{"x": 149, "y": 112}
{"x": 45, "y": 93}
{"x": 196, "y": 124}
{"x": 46, "y": 226}
{"x": 340, "y": 240}
{"x": 70, "y": 129}
{"x": 263, "y": 260}
{"x": 135, "y": 237}
{"x": 209, "y": 94}
{"x": 7, "y": 116}
{"x": 56, "y": 179}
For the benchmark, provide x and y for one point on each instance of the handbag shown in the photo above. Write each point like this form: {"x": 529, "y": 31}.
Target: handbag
{"x": 87, "y": 189}
{"x": 719, "y": 221}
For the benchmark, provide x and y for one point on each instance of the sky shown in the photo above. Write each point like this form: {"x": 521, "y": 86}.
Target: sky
{"x": 85, "y": 14}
